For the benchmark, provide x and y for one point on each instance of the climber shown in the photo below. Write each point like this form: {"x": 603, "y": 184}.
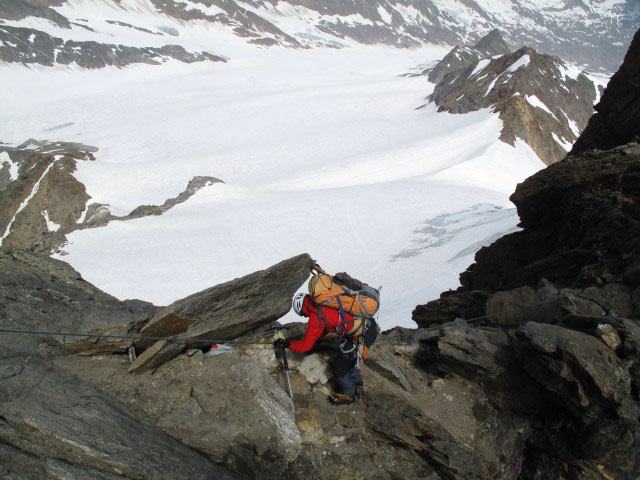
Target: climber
{"x": 353, "y": 349}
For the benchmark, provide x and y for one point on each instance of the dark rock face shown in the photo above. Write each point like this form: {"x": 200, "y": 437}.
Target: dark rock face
{"x": 29, "y": 46}
{"x": 579, "y": 215}
{"x": 20, "y": 9}
{"x": 450, "y": 306}
{"x": 41, "y": 201}
{"x": 561, "y": 304}
{"x": 540, "y": 100}
{"x": 617, "y": 120}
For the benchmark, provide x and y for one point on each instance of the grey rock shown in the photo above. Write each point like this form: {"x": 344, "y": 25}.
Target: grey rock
{"x": 522, "y": 305}
{"x": 225, "y": 406}
{"x": 195, "y": 184}
{"x": 314, "y": 369}
{"x": 156, "y": 355}
{"x": 233, "y": 308}
{"x": 449, "y": 306}
{"x": 59, "y": 198}
{"x": 472, "y": 352}
{"x": 617, "y": 120}
{"x": 578, "y": 371}
{"x": 459, "y": 58}
{"x": 43, "y": 294}
{"x": 61, "y": 427}
{"x": 29, "y": 46}
{"x": 21, "y": 9}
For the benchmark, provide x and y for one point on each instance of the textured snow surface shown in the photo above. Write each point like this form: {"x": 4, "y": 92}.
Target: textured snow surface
{"x": 322, "y": 151}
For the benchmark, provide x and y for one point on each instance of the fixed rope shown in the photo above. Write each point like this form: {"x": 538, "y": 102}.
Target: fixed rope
{"x": 133, "y": 337}
{"x": 241, "y": 342}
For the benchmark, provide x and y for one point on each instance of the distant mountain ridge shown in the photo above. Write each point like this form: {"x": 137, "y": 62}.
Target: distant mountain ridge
{"x": 540, "y": 99}
{"x": 588, "y": 32}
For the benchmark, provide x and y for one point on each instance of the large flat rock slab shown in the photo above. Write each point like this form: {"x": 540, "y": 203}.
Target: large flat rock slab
{"x": 54, "y": 425}
{"x": 231, "y": 309}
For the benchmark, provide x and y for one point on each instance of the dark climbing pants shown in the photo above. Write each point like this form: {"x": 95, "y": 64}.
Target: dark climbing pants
{"x": 346, "y": 374}
{"x": 343, "y": 366}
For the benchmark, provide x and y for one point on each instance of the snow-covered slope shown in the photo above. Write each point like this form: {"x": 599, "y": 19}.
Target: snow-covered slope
{"x": 589, "y": 32}
{"x": 321, "y": 150}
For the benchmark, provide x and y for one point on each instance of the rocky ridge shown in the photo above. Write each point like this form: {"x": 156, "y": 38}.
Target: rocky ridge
{"x": 540, "y": 98}
{"x": 455, "y": 401}
{"x": 41, "y": 201}
{"x": 30, "y": 46}
{"x": 460, "y": 57}
{"x": 566, "y": 292}
{"x": 572, "y": 31}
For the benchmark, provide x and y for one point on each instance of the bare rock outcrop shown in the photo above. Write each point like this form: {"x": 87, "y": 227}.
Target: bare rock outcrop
{"x": 540, "y": 98}
{"x": 459, "y": 58}
{"x": 560, "y": 302}
{"x": 617, "y": 118}
{"x": 53, "y": 425}
{"x": 43, "y": 294}
{"x": 29, "y": 46}
{"x": 41, "y": 201}
{"x": 225, "y": 311}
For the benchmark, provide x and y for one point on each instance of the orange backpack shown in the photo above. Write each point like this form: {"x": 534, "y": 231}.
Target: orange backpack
{"x": 345, "y": 294}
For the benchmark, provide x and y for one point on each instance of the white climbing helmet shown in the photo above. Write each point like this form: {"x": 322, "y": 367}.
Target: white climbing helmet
{"x": 298, "y": 300}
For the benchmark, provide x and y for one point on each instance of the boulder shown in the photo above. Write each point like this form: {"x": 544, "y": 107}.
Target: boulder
{"x": 314, "y": 369}
{"x": 156, "y": 355}
{"x": 231, "y": 309}
{"x": 449, "y": 306}
{"x": 524, "y": 304}
{"x": 471, "y": 352}
{"x": 577, "y": 371}
{"x": 55, "y": 426}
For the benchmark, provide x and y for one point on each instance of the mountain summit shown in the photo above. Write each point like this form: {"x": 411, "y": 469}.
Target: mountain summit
{"x": 541, "y": 99}
{"x": 461, "y": 57}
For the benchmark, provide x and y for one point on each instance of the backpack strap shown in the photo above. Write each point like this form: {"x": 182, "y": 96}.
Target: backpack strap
{"x": 322, "y": 318}
{"x": 342, "y": 323}
{"x": 364, "y": 306}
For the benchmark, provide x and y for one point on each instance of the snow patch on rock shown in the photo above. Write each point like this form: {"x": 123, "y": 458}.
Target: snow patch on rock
{"x": 5, "y": 159}
{"x": 51, "y": 226}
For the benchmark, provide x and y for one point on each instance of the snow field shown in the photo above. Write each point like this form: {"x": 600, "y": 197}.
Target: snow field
{"x": 322, "y": 151}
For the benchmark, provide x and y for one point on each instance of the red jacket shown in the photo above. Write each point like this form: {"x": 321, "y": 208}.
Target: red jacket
{"x": 316, "y": 327}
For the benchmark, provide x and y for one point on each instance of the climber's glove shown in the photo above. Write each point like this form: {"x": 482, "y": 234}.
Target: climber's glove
{"x": 281, "y": 343}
